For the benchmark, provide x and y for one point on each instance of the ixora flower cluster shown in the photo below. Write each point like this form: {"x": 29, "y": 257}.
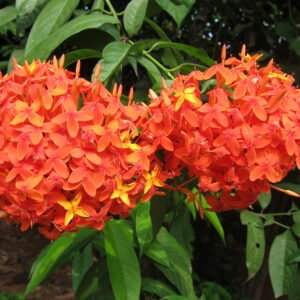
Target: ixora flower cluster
{"x": 71, "y": 154}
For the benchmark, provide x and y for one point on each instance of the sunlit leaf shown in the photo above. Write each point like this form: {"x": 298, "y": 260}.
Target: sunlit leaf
{"x": 143, "y": 225}
{"x": 123, "y": 266}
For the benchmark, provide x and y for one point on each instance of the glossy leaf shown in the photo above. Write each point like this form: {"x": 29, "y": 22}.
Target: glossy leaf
{"x": 67, "y": 30}
{"x": 51, "y": 18}
{"x": 134, "y": 16}
{"x": 282, "y": 274}
{"x": 213, "y": 218}
{"x": 113, "y": 56}
{"x": 255, "y": 249}
{"x": 27, "y": 6}
{"x": 198, "y": 53}
{"x": 57, "y": 254}
{"x": 296, "y": 229}
{"x": 81, "y": 54}
{"x": 157, "y": 287}
{"x": 179, "y": 270}
{"x": 123, "y": 267}
{"x": 143, "y": 225}
{"x": 7, "y": 14}
{"x": 177, "y": 12}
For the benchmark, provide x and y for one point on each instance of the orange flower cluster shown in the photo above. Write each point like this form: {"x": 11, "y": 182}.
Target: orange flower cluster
{"x": 67, "y": 151}
{"x": 234, "y": 127}
{"x": 71, "y": 154}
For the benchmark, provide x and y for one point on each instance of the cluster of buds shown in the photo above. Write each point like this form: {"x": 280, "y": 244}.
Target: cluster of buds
{"x": 71, "y": 154}
{"x": 67, "y": 151}
{"x": 235, "y": 127}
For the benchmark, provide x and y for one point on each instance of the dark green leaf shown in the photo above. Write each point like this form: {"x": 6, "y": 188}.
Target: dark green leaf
{"x": 122, "y": 263}
{"x": 143, "y": 225}
{"x": 67, "y": 30}
{"x": 179, "y": 270}
{"x": 57, "y": 254}
{"x": 183, "y": 231}
{"x": 175, "y": 297}
{"x": 296, "y": 229}
{"x": 213, "y": 218}
{"x": 255, "y": 249}
{"x": 213, "y": 291}
{"x": 177, "y": 12}
{"x": 157, "y": 254}
{"x": 7, "y": 14}
{"x": 282, "y": 274}
{"x": 51, "y": 18}
{"x": 134, "y": 16}
{"x": 156, "y": 287}
{"x": 264, "y": 199}
{"x": 113, "y": 56}
{"x": 157, "y": 211}
{"x": 152, "y": 71}
{"x": 198, "y": 53}
{"x": 81, "y": 263}
{"x": 295, "y": 257}
{"x": 81, "y": 54}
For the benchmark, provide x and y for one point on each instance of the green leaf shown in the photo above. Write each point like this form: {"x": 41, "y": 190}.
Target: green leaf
{"x": 134, "y": 16}
{"x": 282, "y": 274}
{"x": 122, "y": 263}
{"x": 175, "y": 297}
{"x": 98, "y": 4}
{"x": 143, "y": 225}
{"x": 113, "y": 56}
{"x": 255, "y": 249}
{"x": 157, "y": 254}
{"x": 177, "y": 12}
{"x": 158, "y": 210}
{"x": 51, "y": 18}
{"x": 7, "y": 14}
{"x": 295, "y": 257}
{"x": 183, "y": 231}
{"x": 57, "y": 254}
{"x": 3, "y": 65}
{"x": 198, "y": 53}
{"x": 17, "y": 54}
{"x": 179, "y": 270}
{"x": 67, "y": 30}
{"x": 296, "y": 229}
{"x": 81, "y": 263}
{"x": 27, "y": 6}
{"x": 213, "y": 291}
{"x": 152, "y": 71}
{"x": 264, "y": 200}
{"x": 213, "y": 218}
{"x": 81, "y": 54}
{"x": 157, "y": 287}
